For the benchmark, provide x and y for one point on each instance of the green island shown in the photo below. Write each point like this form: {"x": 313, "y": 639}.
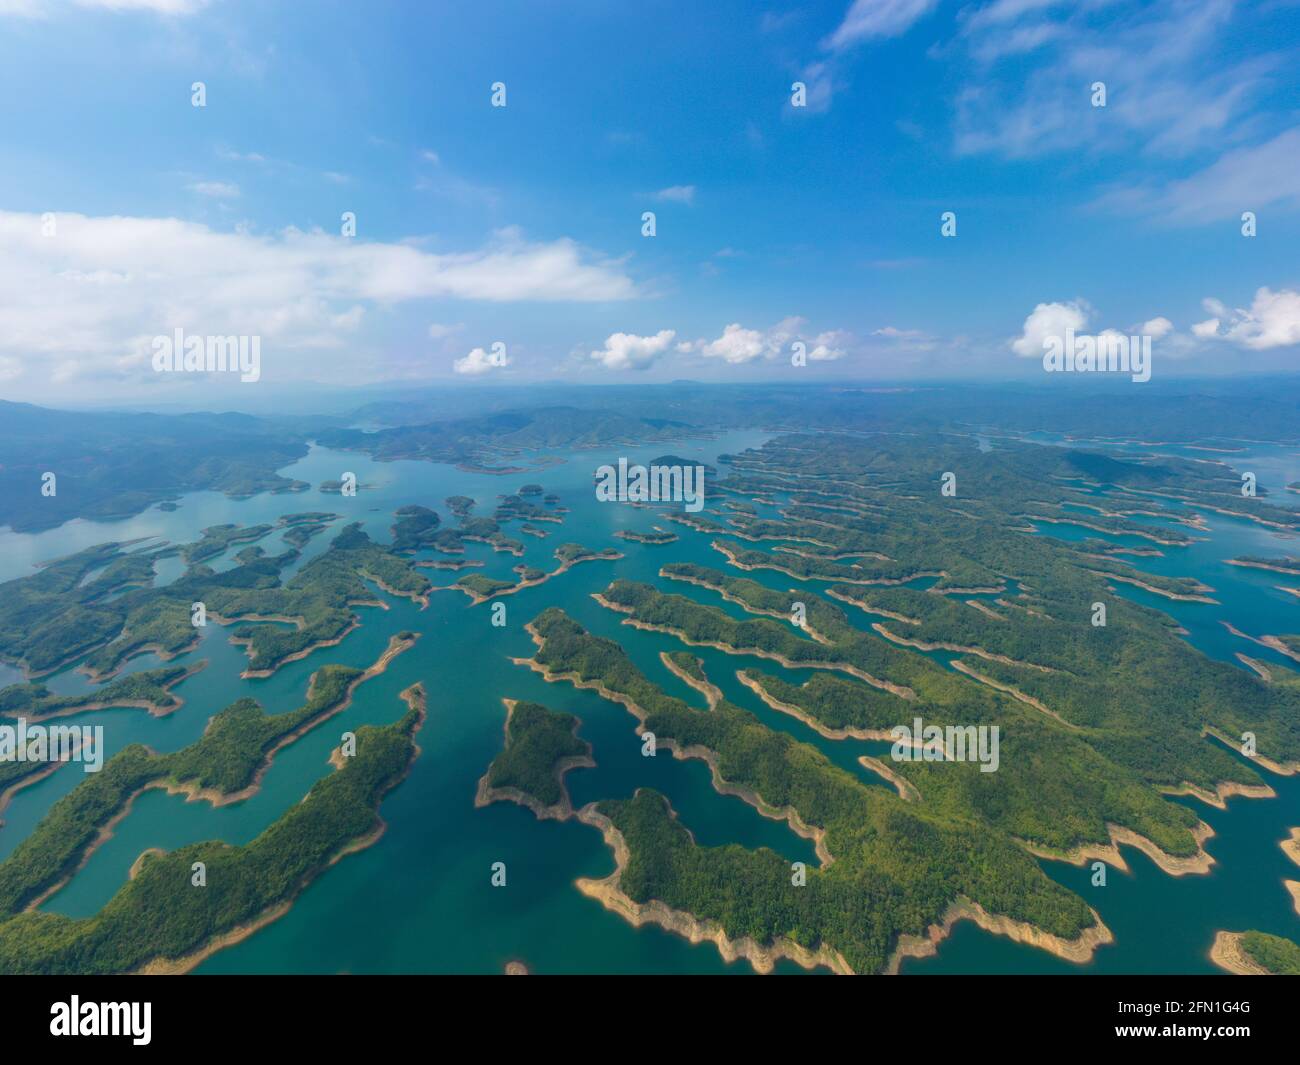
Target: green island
{"x": 149, "y": 689}
{"x": 217, "y": 538}
{"x": 416, "y": 527}
{"x": 541, "y": 745}
{"x": 646, "y": 537}
{"x": 1256, "y": 954}
{"x": 1281, "y": 564}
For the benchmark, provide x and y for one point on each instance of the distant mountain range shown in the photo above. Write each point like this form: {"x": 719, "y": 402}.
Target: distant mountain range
{"x": 111, "y": 465}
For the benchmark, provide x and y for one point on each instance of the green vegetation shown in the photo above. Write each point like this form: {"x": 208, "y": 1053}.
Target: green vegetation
{"x": 688, "y": 664}
{"x": 646, "y": 537}
{"x": 159, "y": 914}
{"x": 1279, "y": 956}
{"x": 416, "y": 528}
{"x": 149, "y": 688}
{"x": 483, "y": 587}
{"x": 1283, "y": 564}
{"x": 539, "y": 744}
{"x": 217, "y": 538}
{"x": 570, "y": 554}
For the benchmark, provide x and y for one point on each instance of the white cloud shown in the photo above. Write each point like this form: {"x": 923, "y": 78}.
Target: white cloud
{"x": 1049, "y": 320}
{"x": 1155, "y": 328}
{"x": 876, "y": 18}
{"x": 627, "y": 351}
{"x": 1172, "y": 87}
{"x": 438, "y": 331}
{"x": 430, "y": 157}
{"x": 1272, "y": 321}
{"x": 828, "y": 346}
{"x": 738, "y": 345}
{"x": 479, "y": 361}
{"x": 101, "y": 288}
{"x": 676, "y": 194}
{"x": 220, "y": 190}
{"x": 1245, "y": 179}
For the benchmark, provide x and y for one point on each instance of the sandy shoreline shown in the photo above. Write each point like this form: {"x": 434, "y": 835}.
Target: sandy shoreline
{"x": 711, "y": 692}
{"x": 847, "y": 733}
{"x": 1227, "y": 953}
{"x": 1290, "y": 570}
{"x": 1223, "y": 791}
{"x": 1079, "y": 951}
{"x": 1196, "y": 598}
{"x": 1029, "y": 700}
{"x": 1197, "y": 864}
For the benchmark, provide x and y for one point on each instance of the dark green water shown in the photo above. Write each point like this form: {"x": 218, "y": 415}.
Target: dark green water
{"x": 421, "y": 900}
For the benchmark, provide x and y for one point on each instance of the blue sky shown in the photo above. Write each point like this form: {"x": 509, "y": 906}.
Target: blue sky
{"x": 522, "y": 224}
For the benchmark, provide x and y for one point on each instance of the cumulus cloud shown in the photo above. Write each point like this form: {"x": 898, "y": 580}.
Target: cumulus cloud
{"x": 100, "y": 288}
{"x": 627, "y": 351}
{"x": 479, "y": 361}
{"x": 739, "y": 345}
{"x": 1049, "y": 320}
{"x": 1271, "y": 321}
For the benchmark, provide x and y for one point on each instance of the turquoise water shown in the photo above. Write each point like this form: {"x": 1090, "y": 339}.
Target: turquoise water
{"x": 420, "y": 899}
